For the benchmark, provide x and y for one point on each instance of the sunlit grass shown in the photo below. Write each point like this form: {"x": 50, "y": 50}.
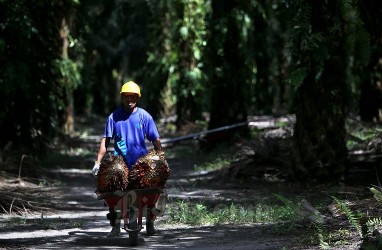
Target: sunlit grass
{"x": 43, "y": 182}
{"x": 187, "y": 212}
{"x": 202, "y": 161}
{"x": 218, "y": 163}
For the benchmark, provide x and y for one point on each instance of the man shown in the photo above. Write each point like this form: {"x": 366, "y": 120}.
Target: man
{"x": 129, "y": 126}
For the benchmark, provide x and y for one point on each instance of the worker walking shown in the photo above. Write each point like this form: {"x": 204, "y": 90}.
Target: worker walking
{"x": 129, "y": 126}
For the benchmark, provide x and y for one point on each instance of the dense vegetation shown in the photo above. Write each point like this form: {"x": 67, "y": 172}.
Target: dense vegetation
{"x": 229, "y": 59}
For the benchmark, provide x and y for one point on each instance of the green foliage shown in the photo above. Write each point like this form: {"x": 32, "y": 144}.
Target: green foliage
{"x": 201, "y": 214}
{"x": 358, "y": 39}
{"x": 310, "y": 47}
{"x": 297, "y": 77}
{"x": 321, "y": 232}
{"x": 218, "y": 163}
{"x": 299, "y": 29}
{"x": 377, "y": 194}
{"x": 185, "y": 42}
{"x": 373, "y": 224}
{"x": 163, "y": 46}
{"x": 292, "y": 207}
{"x": 44, "y": 223}
{"x": 330, "y": 239}
{"x": 360, "y": 136}
{"x": 29, "y": 75}
{"x": 70, "y": 73}
{"x": 354, "y": 219}
{"x": 365, "y": 227}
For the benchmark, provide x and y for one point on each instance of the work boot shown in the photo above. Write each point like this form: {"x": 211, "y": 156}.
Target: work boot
{"x": 115, "y": 231}
{"x": 150, "y": 230}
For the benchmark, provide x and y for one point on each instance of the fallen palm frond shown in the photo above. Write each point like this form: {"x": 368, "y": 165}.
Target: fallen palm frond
{"x": 353, "y": 217}
{"x": 21, "y": 200}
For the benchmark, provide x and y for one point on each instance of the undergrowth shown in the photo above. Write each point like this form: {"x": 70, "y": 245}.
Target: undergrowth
{"x": 326, "y": 237}
{"x": 364, "y": 226}
{"x": 188, "y": 212}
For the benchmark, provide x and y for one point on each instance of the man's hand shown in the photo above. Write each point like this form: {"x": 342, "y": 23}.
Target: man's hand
{"x": 95, "y": 169}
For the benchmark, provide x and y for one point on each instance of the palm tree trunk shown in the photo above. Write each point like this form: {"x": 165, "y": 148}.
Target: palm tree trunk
{"x": 319, "y": 141}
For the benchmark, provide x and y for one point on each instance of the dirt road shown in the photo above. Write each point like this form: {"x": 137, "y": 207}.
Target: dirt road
{"x": 77, "y": 220}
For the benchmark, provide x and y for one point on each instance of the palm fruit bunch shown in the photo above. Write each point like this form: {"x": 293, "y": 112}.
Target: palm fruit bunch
{"x": 113, "y": 175}
{"x": 150, "y": 170}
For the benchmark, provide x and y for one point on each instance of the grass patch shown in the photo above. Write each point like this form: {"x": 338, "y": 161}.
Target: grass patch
{"x": 50, "y": 183}
{"x": 44, "y": 223}
{"x": 200, "y": 214}
{"x": 218, "y": 163}
{"x": 212, "y": 160}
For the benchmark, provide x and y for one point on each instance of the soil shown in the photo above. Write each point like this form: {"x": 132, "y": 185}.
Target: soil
{"x": 70, "y": 217}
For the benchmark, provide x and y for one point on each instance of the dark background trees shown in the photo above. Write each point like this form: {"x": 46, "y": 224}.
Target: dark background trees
{"x": 228, "y": 67}
{"x": 35, "y": 76}
{"x": 226, "y": 59}
{"x": 370, "y": 72}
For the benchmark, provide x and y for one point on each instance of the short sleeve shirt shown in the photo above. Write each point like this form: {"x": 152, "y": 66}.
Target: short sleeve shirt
{"x": 129, "y": 132}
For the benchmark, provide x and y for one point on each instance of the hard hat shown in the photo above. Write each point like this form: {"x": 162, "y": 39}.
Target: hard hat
{"x": 131, "y": 87}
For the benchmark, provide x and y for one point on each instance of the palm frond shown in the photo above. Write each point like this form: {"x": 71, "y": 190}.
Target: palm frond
{"x": 353, "y": 218}
{"x": 377, "y": 194}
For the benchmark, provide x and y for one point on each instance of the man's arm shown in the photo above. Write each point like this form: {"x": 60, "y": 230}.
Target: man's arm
{"x": 102, "y": 149}
{"x": 157, "y": 144}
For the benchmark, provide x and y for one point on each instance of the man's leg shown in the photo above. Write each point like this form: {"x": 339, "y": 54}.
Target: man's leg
{"x": 114, "y": 216}
{"x": 150, "y": 230}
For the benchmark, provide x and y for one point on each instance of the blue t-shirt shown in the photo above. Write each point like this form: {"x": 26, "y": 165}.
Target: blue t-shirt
{"x": 129, "y": 132}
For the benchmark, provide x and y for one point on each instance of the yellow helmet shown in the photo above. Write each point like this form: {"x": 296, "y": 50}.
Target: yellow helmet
{"x": 131, "y": 87}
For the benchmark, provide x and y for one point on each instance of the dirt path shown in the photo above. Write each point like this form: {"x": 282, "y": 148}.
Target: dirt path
{"x": 78, "y": 220}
